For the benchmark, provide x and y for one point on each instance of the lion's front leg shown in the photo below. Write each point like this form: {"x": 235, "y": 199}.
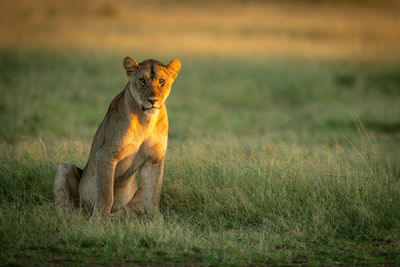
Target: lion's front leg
{"x": 151, "y": 176}
{"x": 105, "y": 168}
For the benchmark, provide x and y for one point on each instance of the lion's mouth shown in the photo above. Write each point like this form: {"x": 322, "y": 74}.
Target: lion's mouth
{"x": 150, "y": 108}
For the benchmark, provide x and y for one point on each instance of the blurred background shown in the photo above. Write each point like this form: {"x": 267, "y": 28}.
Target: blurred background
{"x": 357, "y": 29}
{"x": 250, "y": 68}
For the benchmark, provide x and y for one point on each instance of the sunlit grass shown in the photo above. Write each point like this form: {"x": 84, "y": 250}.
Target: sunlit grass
{"x": 277, "y": 203}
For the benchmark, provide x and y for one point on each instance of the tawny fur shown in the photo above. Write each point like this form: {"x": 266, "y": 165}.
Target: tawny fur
{"x": 131, "y": 139}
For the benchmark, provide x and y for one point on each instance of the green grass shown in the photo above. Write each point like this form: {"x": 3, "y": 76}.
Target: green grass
{"x": 268, "y": 163}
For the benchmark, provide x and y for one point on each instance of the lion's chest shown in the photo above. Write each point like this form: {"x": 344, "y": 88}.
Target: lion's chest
{"x": 131, "y": 163}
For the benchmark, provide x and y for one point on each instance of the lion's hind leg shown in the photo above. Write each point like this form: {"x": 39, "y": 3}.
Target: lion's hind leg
{"x": 66, "y": 186}
{"x": 129, "y": 196}
{"x": 137, "y": 202}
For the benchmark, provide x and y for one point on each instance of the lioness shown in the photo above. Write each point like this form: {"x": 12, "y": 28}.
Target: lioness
{"x": 132, "y": 137}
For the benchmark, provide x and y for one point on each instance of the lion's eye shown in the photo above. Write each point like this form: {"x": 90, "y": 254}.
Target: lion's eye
{"x": 161, "y": 81}
{"x": 142, "y": 81}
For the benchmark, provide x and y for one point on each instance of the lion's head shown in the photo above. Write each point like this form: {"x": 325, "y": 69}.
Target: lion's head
{"x": 150, "y": 81}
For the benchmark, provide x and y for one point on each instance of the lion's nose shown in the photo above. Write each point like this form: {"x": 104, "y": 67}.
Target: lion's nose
{"x": 152, "y": 100}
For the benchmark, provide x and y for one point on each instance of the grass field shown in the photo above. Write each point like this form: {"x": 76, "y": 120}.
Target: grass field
{"x": 287, "y": 158}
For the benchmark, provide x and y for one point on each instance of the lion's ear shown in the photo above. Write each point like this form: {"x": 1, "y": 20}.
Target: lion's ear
{"x": 130, "y": 65}
{"x": 174, "y": 67}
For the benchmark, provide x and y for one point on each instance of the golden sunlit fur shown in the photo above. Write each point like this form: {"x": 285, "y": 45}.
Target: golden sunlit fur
{"x": 132, "y": 137}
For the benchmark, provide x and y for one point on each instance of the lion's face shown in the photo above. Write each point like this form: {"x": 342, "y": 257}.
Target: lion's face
{"x": 150, "y": 82}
